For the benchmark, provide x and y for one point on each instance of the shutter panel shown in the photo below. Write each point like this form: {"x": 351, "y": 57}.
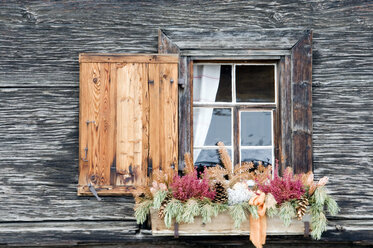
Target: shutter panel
{"x": 163, "y": 137}
{"x": 301, "y": 84}
{"x": 127, "y": 124}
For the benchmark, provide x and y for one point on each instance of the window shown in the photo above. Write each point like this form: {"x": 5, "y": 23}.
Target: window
{"x": 291, "y": 116}
{"x": 234, "y": 103}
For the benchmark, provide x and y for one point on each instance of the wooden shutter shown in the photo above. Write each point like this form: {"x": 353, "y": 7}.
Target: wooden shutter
{"x": 294, "y": 120}
{"x": 301, "y": 81}
{"x": 128, "y": 124}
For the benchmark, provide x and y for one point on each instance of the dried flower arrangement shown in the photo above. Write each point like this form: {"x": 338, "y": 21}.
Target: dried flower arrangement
{"x": 223, "y": 188}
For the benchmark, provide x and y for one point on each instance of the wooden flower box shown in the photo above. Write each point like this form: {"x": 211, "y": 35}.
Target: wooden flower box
{"x": 222, "y": 225}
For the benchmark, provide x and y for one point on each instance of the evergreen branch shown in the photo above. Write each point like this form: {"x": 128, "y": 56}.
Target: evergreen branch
{"x": 191, "y": 209}
{"x": 253, "y": 210}
{"x": 332, "y": 205}
{"x": 318, "y": 225}
{"x": 320, "y": 195}
{"x": 287, "y": 213}
{"x": 172, "y": 210}
{"x": 271, "y": 212}
{"x": 142, "y": 210}
{"x": 238, "y": 215}
{"x": 159, "y": 197}
{"x": 207, "y": 211}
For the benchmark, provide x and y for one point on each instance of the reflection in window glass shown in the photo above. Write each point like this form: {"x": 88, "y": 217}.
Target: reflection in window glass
{"x": 207, "y": 157}
{"x": 212, "y": 83}
{"x": 255, "y": 155}
{"x": 256, "y": 128}
{"x": 211, "y": 125}
{"x": 255, "y": 83}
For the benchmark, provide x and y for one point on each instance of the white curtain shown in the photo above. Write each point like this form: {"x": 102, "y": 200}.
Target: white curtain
{"x": 205, "y": 86}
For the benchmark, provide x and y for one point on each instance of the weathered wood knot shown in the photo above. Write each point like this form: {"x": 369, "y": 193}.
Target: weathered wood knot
{"x": 95, "y": 80}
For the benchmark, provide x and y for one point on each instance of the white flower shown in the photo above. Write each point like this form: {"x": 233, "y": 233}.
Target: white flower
{"x": 239, "y": 193}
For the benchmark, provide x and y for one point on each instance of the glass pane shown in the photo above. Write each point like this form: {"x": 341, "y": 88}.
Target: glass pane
{"x": 212, "y": 83}
{"x": 256, "y": 129}
{"x": 211, "y": 125}
{"x": 208, "y": 157}
{"x": 255, "y": 155}
{"x": 255, "y": 83}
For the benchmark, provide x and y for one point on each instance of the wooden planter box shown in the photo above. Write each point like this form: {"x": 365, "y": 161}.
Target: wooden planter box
{"x": 223, "y": 225}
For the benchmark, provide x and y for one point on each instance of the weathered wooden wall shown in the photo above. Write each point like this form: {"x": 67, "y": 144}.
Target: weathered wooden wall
{"x": 39, "y": 46}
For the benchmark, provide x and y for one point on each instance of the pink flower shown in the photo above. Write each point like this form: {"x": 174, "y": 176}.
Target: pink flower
{"x": 190, "y": 186}
{"x": 283, "y": 188}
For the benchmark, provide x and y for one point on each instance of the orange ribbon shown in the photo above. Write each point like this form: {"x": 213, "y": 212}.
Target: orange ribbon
{"x": 258, "y": 227}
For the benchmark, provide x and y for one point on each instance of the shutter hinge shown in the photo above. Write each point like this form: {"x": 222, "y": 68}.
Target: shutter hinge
{"x": 150, "y": 81}
{"x": 85, "y": 159}
{"x": 150, "y": 168}
{"x": 94, "y": 192}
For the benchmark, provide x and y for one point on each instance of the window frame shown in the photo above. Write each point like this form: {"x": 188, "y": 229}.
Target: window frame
{"x": 237, "y": 108}
{"x": 294, "y": 113}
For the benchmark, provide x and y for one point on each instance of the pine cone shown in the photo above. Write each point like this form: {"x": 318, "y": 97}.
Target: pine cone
{"x": 221, "y": 193}
{"x": 302, "y": 207}
{"x": 164, "y": 203}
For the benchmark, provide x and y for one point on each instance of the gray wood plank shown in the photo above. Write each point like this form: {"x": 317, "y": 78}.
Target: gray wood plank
{"x": 39, "y": 46}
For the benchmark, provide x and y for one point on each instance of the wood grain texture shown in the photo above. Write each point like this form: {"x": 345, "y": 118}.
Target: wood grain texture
{"x": 154, "y": 118}
{"x": 169, "y": 116}
{"x": 301, "y": 92}
{"x": 39, "y": 74}
{"x": 132, "y": 80}
{"x": 223, "y": 224}
{"x": 163, "y": 123}
{"x": 128, "y": 58}
{"x": 97, "y": 124}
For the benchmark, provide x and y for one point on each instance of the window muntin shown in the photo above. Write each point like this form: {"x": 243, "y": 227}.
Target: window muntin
{"x": 212, "y": 91}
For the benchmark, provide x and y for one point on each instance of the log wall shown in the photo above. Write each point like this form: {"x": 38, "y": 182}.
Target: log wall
{"x": 39, "y": 90}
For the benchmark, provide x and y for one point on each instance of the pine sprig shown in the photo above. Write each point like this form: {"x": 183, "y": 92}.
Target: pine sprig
{"x": 253, "y": 210}
{"x": 207, "y": 212}
{"x": 142, "y": 210}
{"x": 271, "y": 212}
{"x": 158, "y": 198}
{"x": 238, "y": 214}
{"x": 191, "y": 209}
{"x": 320, "y": 195}
{"x": 332, "y": 206}
{"x": 318, "y": 224}
{"x": 287, "y": 212}
{"x": 173, "y": 210}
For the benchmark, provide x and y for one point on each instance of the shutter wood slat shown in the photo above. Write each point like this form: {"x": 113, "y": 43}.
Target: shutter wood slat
{"x": 131, "y": 81}
{"x": 168, "y": 75}
{"x": 154, "y": 121}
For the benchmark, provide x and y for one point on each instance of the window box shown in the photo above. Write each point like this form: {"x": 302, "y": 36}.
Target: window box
{"x": 222, "y": 225}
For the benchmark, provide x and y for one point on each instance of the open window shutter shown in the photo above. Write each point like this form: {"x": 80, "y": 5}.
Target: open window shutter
{"x": 128, "y": 120}
{"x": 301, "y": 84}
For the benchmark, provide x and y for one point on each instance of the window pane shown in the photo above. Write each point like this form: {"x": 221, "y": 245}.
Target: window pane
{"x": 255, "y": 155}
{"x": 208, "y": 157}
{"x": 255, "y": 83}
{"x": 256, "y": 129}
{"x": 211, "y": 125}
{"x": 212, "y": 83}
